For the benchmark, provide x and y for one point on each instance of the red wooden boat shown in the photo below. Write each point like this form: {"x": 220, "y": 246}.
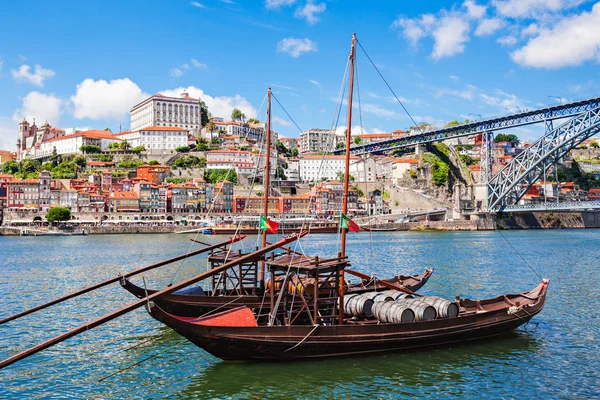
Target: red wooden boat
{"x": 235, "y": 334}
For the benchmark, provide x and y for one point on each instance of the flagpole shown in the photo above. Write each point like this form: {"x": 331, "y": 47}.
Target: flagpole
{"x": 267, "y": 176}
{"x": 347, "y": 173}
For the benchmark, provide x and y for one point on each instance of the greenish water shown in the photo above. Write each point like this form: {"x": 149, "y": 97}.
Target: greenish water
{"x": 557, "y": 356}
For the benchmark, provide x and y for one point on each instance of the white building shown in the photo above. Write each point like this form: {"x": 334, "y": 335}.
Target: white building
{"x": 317, "y": 140}
{"x": 400, "y": 167}
{"x": 364, "y": 170}
{"x": 229, "y": 155}
{"x": 71, "y": 144}
{"x": 157, "y": 137}
{"x": 315, "y": 168}
{"x": 163, "y": 111}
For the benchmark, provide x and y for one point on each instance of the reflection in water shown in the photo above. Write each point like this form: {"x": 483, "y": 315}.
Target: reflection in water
{"x": 558, "y": 358}
{"x": 415, "y": 372}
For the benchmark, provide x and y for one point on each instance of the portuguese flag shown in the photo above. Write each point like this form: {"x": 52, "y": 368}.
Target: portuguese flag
{"x": 266, "y": 224}
{"x": 349, "y": 224}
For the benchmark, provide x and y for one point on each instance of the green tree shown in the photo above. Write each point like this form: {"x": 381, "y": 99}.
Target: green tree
{"x": 10, "y": 167}
{"x": 125, "y": 145}
{"x": 153, "y": 162}
{"x": 204, "y": 114}
{"x": 47, "y": 166}
{"x": 359, "y": 192}
{"x": 340, "y": 145}
{"x": 237, "y": 115}
{"x": 215, "y": 140}
{"x": 89, "y": 149}
{"x": 54, "y": 157}
{"x": 202, "y": 162}
{"x": 594, "y": 144}
{"x": 107, "y": 130}
{"x": 202, "y": 147}
{"x": 138, "y": 149}
{"x": 182, "y": 149}
{"x": 211, "y": 127}
{"x": 294, "y": 152}
{"x": 218, "y": 175}
{"x": 28, "y": 166}
{"x": 58, "y": 214}
{"x": 358, "y": 140}
{"x": 502, "y": 137}
{"x": 451, "y": 123}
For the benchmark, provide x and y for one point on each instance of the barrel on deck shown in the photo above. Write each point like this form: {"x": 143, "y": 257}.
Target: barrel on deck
{"x": 392, "y": 312}
{"x": 357, "y": 305}
{"x": 423, "y": 311}
{"x": 397, "y": 295}
{"x": 444, "y": 308}
{"x": 378, "y": 296}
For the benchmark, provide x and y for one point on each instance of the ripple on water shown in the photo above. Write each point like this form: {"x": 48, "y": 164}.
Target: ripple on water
{"x": 555, "y": 357}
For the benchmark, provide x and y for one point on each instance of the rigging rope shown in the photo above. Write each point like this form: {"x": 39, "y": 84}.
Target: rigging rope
{"x": 519, "y": 254}
{"x": 388, "y": 85}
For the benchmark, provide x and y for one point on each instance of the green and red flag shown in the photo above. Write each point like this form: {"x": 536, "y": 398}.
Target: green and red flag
{"x": 266, "y": 224}
{"x": 349, "y": 224}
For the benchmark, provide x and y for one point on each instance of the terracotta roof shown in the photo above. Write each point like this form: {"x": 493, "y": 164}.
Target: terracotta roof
{"x": 375, "y": 135}
{"x": 5, "y": 176}
{"x": 124, "y": 195}
{"x": 407, "y": 161}
{"x": 163, "y": 128}
{"x": 100, "y": 163}
{"x": 91, "y": 134}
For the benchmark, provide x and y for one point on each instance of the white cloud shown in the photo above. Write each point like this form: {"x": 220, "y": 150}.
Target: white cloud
{"x": 106, "y": 100}
{"x": 489, "y": 26}
{"x": 278, "y": 3}
{"x": 36, "y": 78}
{"x": 450, "y": 37}
{"x": 415, "y": 29}
{"x": 8, "y": 134}
{"x": 356, "y": 130}
{"x": 179, "y": 71}
{"x": 43, "y": 107}
{"x": 281, "y": 121}
{"x": 309, "y": 12}
{"x": 467, "y": 93}
{"x": 314, "y": 82}
{"x": 474, "y": 10}
{"x": 296, "y": 47}
{"x": 220, "y": 106}
{"x": 503, "y": 100}
{"x": 507, "y": 40}
{"x": 529, "y": 8}
{"x": 197, "y": 64}
{"x": 1, "y": 65}
{"x": 572, "y": 41}
{"x": 530, "y": 30}
{"x": 453, "y": 77}
{"x": 380, "y": 111}
{"x": 197, "y": 4}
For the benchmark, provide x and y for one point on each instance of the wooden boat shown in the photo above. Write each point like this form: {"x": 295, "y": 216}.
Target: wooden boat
{"x": 235, "y": 334}
{"x": 320, "y": 323}
{"x": 195, "y": 301}
{"x": 296, "y": 228}
{"x": 378, "y": 229}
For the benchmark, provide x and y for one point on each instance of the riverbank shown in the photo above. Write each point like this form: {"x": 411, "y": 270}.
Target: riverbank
{"x": 483, "y": 222}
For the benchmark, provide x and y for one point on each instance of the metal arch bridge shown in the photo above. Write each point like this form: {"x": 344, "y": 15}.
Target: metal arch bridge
{"x": 473, "y": 128}
{"x": 507, "y": 187}
{"x": 562, "y": 206}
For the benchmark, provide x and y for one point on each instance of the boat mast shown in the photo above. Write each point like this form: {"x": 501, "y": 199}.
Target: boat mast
{"x": 348, "y": 142}
{"x": 347, "y": 172}
{"x": 267, "y": 182}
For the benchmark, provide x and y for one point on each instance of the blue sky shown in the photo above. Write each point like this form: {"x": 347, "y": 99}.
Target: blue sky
{"x": 84, "y": 64}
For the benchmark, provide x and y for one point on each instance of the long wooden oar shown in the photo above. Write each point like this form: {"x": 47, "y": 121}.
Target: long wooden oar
{"x": 140, "y": 303}
{"x": 383, "y": 283}
{"x": 112, "y": 280}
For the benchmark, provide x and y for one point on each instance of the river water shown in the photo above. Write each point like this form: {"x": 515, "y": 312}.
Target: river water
{"x": 555, "y": 356}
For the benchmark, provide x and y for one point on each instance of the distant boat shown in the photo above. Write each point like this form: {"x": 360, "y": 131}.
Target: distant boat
{"x": 35, "y": 232}
{"x": 379, "y": 229}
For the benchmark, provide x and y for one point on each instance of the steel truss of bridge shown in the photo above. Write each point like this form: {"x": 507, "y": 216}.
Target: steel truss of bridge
{"x": 562, "y": 206}
{"x": 473, "y": 128}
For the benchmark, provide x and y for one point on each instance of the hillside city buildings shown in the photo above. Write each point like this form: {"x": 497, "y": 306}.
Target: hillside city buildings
{"x": 164, "y": 111}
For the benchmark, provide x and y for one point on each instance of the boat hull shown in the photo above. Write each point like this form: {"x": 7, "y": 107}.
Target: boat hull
{"x": 195, "y": 305}
{"x": 279, "y": 343}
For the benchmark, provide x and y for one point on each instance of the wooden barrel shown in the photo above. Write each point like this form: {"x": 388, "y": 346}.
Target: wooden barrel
{"x": 356, "y": 305}
{"x": 423, "y": 311}
{"x": 278, "y": 283}
{"x": 397, "y": 295}
{"x": 444, "y": 308}
{"x": 378, "y": 296}
{"x": 302, "y": 284}
{"x": 392, "y": 312}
